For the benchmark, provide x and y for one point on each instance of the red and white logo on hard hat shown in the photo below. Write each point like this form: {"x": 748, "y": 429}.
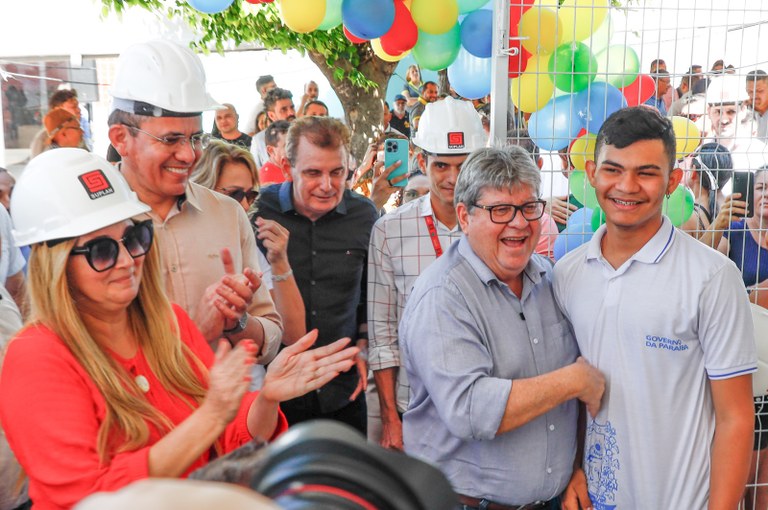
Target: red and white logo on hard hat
{"x": 96, "y": 184}
{"x": 456, "y": 140}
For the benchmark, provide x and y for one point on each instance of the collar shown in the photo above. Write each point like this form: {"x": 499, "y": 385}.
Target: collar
{"x": 422, "y": 101}
{"x": 533, "y": 271}
{"x": 425, "y": 209}
{"x": 191, "y": 196}
{"x": 651, "y": 253}
{"x": 285, "y": 198}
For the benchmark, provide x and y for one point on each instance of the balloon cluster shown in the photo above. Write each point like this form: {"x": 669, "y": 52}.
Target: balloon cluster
{"x": 452, "y": 34}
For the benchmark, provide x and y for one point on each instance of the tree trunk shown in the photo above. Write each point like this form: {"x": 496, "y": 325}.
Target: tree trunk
{"x": 443, "y": 84}
{"x": 363, "y": 110}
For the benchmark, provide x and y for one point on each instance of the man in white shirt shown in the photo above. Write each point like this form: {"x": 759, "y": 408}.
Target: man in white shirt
{"x": 667, "y": 320}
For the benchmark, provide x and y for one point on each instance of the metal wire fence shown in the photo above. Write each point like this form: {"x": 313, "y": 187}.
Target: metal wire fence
{"x": 701, "y": 63}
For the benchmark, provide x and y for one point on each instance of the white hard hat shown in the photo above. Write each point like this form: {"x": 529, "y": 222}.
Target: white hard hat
{"x": 450, "y": 126}
{"x": 161, "y": 79}
{"x": 66, "y": 193}
{"x": 726, "y": 89}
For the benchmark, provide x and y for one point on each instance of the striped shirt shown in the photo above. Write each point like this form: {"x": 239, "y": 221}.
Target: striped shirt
{"x": 399, "y": 251}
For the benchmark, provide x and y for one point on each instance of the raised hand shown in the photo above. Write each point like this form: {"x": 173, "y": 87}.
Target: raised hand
{"x": 297, "y": 370}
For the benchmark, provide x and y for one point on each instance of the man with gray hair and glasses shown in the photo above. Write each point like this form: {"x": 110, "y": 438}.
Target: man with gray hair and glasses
{"x": 494, "y": 368}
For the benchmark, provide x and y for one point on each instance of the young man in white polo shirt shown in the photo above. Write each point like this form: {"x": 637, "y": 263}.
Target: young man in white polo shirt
{"x": 667, "y": 321}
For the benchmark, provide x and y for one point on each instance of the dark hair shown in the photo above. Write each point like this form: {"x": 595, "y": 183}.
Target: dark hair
{"x": 275, "y": 95}
{"x": 60, "y": 97}
{"x": 425, "y": 84}
{"x": 273, "y": 131}
{"x": 264, "y": 80}
{"x": 630, "y": 125}
{"x": 717, "y": 159}
{"x": 310, "y": 103}
{"x": 521, "y": 138}
{"x": 756, "y": 75}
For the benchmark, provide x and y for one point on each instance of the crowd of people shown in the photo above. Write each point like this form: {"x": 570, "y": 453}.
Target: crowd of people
{"x": 202, "y": 290}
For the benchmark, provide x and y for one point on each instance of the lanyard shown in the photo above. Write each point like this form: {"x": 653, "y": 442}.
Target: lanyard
{"x": 433, "y": 235}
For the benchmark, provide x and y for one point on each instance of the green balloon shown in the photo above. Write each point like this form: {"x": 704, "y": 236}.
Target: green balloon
{"x": 582, "y": 190}
{"x": 598, "y": 218}
{"x": 437, "y": 51}
{"x": 679, "y": 205}
{"x": 572, "y": 67}
{"x": 332, "y": 17}
{"x": 617, "y": 65}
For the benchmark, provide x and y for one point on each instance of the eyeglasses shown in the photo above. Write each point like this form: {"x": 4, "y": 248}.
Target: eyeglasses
{"x": 102, "y": 253}
{"x": 238, "y": 193}
{"x": 198, "y": 141}
{"x": 504, "y": 213}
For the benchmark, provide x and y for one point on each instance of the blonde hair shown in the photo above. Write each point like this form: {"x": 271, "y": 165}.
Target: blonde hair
{"x": 216, "y": 155}
{"x": 152, "y": 323}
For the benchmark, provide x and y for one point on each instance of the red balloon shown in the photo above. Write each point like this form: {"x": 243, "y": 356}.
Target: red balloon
{"x": 517, "y": 63}
{"x": 640, "y": 90}
{"x": 353, "y": 38}
{"x": 403, "y": 34}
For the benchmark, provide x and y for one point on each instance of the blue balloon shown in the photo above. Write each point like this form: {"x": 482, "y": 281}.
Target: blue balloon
{"x": 368, "y": 19}
{"x": 574, "y": 235}
{"x": 470, "y": 76}
{"x": 555, "y": 124}
{"x": 598, "y": 102}
{"x": 581, "y": 216}
{"x": 210, "y": 6}
{"x": 476, "y": 30}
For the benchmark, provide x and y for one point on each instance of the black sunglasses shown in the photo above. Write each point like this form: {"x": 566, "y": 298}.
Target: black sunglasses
{"x": 102, "y": 253}
{"x": 238, "y": 193}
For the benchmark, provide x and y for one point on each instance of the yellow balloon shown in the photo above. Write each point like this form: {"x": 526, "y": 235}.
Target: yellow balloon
{"x": 581, "y": 18}
{"x": 540, "y": 29}
{"x": 302, "y": 15}
{"x": 383, "y": 55}
{"x": 583, "y": 150}
{"x": 435, "y": 16}
{"x": 531, "y": 91}
{"x": 687, "y": 135}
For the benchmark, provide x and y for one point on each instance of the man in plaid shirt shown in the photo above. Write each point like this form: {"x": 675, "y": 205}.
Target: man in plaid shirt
{"x": 408, "y": 240}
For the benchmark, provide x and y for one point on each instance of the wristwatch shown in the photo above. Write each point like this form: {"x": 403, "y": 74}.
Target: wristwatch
{"x": 239, "y": 326}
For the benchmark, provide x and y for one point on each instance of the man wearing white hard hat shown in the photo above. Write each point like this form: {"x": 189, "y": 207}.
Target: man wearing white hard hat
{"x": 408, "y": 240}
{"x": 732, "y": 122}
{"x": 208, "y": 249}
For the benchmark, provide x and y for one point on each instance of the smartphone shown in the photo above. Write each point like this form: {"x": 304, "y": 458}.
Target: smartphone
{"x": 396, "y": 149}
{"x": 744, "y": 183}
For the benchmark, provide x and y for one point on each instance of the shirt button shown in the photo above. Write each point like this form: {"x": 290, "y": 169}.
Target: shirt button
{"x": 551, "y": 427}
{"x": 314, "y": 253}
{"x": 173, "y": 269}
{"x": 312, "y": 282}
{"x": 314, "y": 312}
{"x": 536, "y": 340}
{"x": 549, "y": 471}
